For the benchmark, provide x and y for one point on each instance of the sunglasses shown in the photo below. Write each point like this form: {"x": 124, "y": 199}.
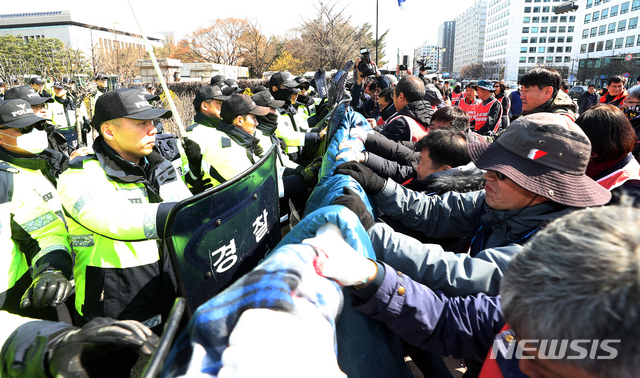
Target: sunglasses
{"x": 500, "y": 176}
{"x": 304, "y": 86}
{"x": 24, "y": 130}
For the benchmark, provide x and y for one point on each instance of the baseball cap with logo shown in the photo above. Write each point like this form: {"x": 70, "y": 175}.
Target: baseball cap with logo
{"x": 26, "y": 93}
{"x": 546, "y": 154}
{"x": 240, "y": 105}
{"x": 60, "y": 84}
{"x": 265, "y": 98}
{"x": 208, "y": 92}
{"x": 486, "y": 85}
{"x": 125, "y": 103}
{"x": 282, "y": 78}
{"x": 35, "y": 80}
{"x": 17, "y": 113}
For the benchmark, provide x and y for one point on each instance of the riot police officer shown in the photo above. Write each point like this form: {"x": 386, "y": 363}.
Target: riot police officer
{"x": 34, "y": 233}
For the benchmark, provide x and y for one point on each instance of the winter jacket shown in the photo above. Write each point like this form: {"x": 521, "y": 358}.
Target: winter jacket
{"x": 365, "y": 105}
{"x": 488, "y": 117}
{"x": 561, "y": 103}
{"x": 622, "y": 176}
{"x": 34, "y": 232}
{"x": 587, "y": 100}
{"x": 506, "y": 109}
{"x": 461, "y": 327}
{"x": 516, "y": 103}
{"x": 615, "y": 101}
{"x": 398, "y": 128}
{"x": 386, "y": 113}
{"x": 114, "y": 223}
{"x": 494, "y": 237}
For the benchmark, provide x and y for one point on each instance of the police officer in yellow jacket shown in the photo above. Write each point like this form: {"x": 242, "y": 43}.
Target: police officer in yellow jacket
{"x": 229, "y": 145}
{"x": 117, "y": 201}
{"x": 283, "y": 87}
{"x": 32, "y": 228}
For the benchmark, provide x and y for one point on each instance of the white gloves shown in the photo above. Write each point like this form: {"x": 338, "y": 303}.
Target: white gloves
{"x": 338, "y": 260}
{"x": 267, "y": 343}
{"x": 358, "y": 132}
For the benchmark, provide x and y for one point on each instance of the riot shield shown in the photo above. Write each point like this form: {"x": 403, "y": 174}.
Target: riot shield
{"x": 215, "y": 237}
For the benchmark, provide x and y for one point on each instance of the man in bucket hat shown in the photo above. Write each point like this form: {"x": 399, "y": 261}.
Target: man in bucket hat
{"x": 535, "y": 174}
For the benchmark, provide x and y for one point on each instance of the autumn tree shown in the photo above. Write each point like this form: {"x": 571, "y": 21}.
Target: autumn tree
{"x": 330, "y": 39}
{"x": 184, "y": 52}
{"x": 258, "y": 52}
{"x": 220, "y": 41}
{"x": 287, "y": 62}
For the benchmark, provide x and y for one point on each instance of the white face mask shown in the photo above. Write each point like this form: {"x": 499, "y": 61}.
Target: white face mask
{"x": 34, "y": 142}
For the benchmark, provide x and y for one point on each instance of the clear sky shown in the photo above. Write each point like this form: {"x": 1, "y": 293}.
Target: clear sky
{"x": 418, "y": 22}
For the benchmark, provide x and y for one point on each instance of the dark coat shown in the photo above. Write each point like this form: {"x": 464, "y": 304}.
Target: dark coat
{"x": 399, "y": 129}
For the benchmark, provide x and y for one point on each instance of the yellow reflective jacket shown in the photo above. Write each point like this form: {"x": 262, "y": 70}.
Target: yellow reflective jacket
{"x": 113, "y": 207}
{"x": 32, "y": 226}
{"x": 224, "y": 156}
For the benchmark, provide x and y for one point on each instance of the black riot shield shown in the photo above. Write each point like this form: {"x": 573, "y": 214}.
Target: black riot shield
{"x": 217, "y": 236}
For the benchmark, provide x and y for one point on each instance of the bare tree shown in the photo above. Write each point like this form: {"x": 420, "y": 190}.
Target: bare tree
{"x": 220, "y": 41}
{"x": 256, "y": 50}
{"x": 330, "y": 39}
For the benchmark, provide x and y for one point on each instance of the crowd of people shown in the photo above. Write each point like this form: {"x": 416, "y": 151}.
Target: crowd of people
{"x": 492, "y": 210}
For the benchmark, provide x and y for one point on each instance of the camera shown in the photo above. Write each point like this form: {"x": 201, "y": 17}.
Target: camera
{"x": 365, "y": 66}
{"x": 402, "y": 67}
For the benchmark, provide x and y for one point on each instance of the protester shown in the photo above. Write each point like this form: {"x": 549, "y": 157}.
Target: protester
{"x": 616, "y": 92}
{"x": 588, "y": 99}
{"x": 387, "y": 107}
{"x": 501, "y": 95}
{"x": 552, "y": 292}
{"x": 516, "y": 105}
{"x": 469, "y": 102}
{"x": 528, "y": 184}
{"x": 540, "y": 93}
{"x": 488, "y": 114}
{"x": 612, "y": 164}
{"x": 413, "y": 112}
{"x": 631, "y": 108}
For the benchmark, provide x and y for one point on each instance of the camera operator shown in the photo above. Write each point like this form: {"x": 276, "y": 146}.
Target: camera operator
{"x": 362, "y": 102}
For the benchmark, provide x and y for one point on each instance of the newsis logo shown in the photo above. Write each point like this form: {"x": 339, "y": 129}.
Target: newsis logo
{"x": 555, "y": 349}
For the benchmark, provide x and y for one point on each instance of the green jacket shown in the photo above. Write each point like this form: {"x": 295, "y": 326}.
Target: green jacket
{"x": 116, "y": 211}
{"x": 32, "y": 226}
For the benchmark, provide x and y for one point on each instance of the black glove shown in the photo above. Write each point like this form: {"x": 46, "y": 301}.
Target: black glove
{"x": 86, "y": 126}
{"x": 49, "y": 288}
{"x": 310, "y": 173}
{"x": 370, "y": 182}
{"x": 195, "y": 177}
{"x": 70, "y": 350}
{"x": 194, "y": 154}
{"x": 353, "y": 202}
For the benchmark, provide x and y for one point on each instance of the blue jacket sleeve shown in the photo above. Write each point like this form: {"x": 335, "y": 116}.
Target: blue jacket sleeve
{"x": 461, "y": 327}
